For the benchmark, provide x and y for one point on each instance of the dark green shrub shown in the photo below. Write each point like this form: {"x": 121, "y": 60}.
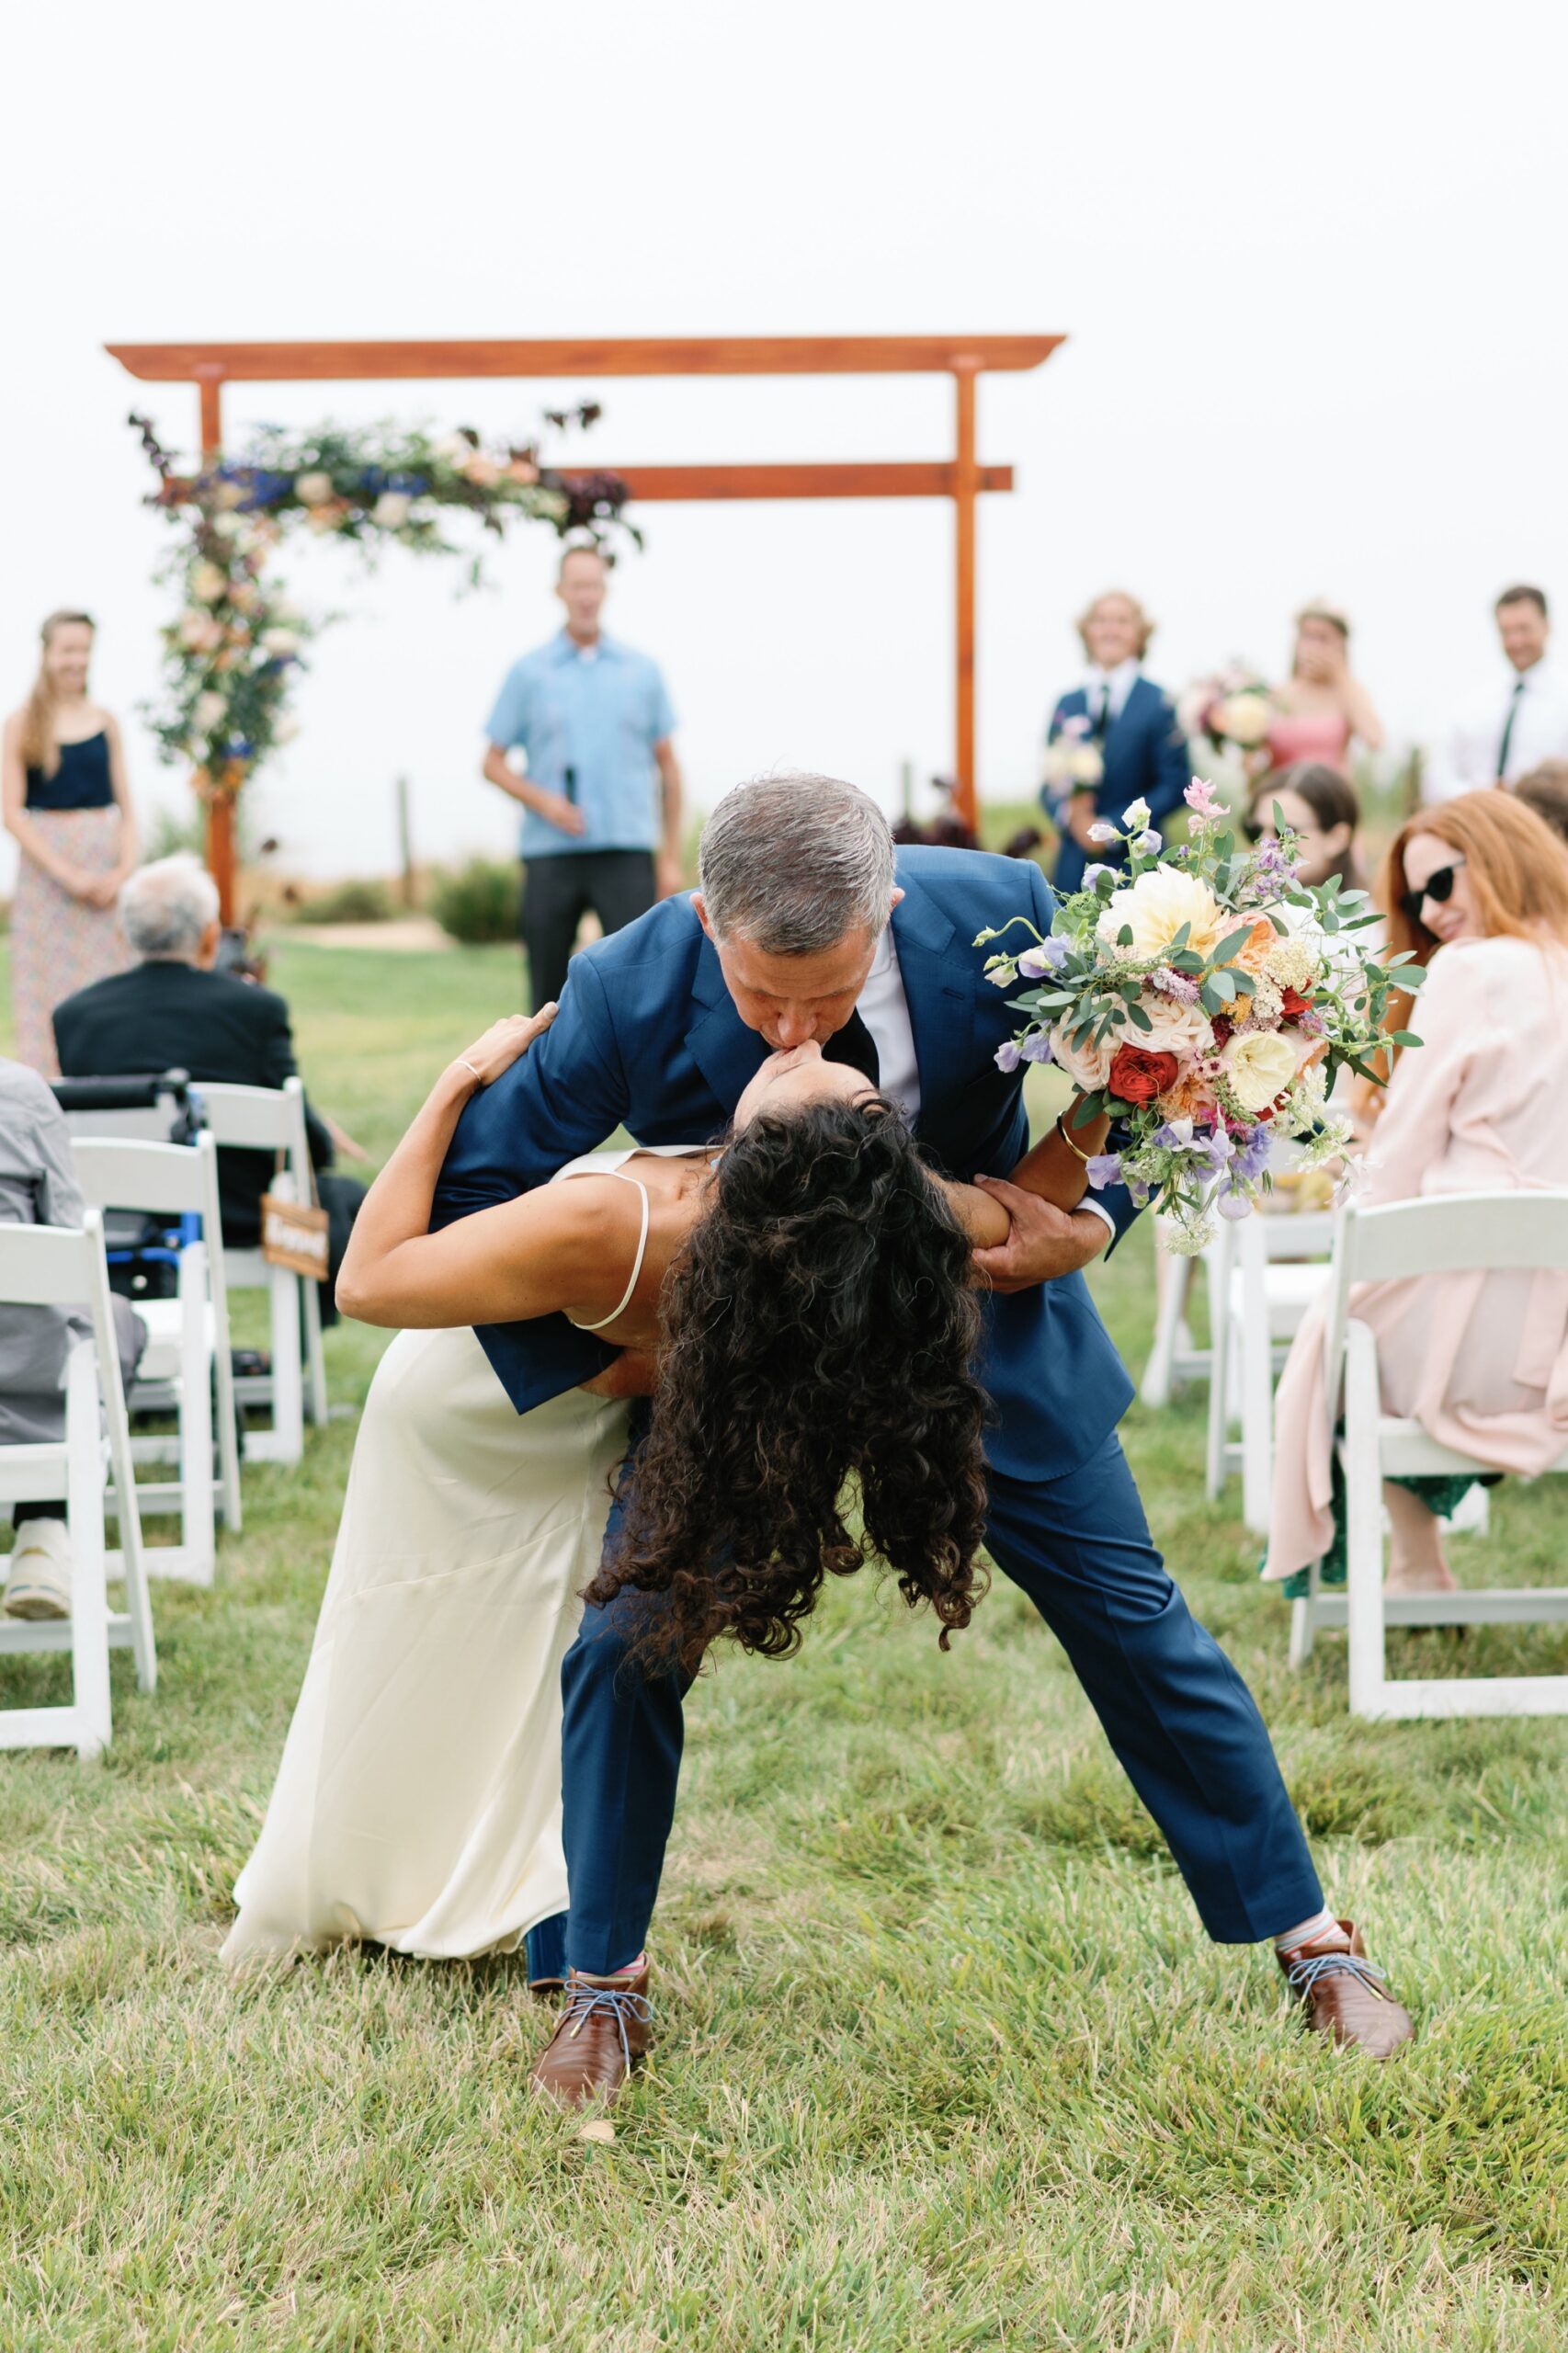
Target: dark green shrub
{"x": 364, "y": 900}
{"x": 476, "y": 903}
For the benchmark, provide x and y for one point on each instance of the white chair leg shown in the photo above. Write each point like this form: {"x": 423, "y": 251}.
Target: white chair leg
{"x": 227, "y": 1435}
{"x": 1364, "y": 1525}
{"x": 1257, "y": 1426}
{"x": 288, "y": 1432}
{"x": 89, "y": 1596}
{"x": 198, "y": 1532}
{"x": 315, "y": 1355}
{"x": 1175, "y": 1280}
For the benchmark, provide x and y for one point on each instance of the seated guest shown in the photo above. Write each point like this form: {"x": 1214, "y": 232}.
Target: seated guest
{"x": 1523, "y": 723}
{"x": 1478, "y": 889}
{"x": 38, "y": 1187}
{"x": 172, "y": 1011}
{"x": 1322, "y": 709}
{"x": 1127, "y": 727}
{"x": 1545, "y": 790}
{"x": 1320, "y": 807}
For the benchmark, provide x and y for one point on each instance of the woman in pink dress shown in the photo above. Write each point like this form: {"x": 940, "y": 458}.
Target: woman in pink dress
{"x": 64, "y": 796}
{"x": 1478, "y": 887}
{"x": 1321, "y": 708}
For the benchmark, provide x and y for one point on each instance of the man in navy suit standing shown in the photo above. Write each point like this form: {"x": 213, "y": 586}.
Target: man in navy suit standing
{"x": 789, "y": 939}
{"x": 1128, "y": 721}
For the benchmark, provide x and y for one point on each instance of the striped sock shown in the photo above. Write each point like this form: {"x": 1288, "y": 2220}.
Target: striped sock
{"x": 1309, "y": 1932}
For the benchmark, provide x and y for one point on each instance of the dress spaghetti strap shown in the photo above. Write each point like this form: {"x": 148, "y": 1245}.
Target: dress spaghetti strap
{"x": 625, "y": 1300}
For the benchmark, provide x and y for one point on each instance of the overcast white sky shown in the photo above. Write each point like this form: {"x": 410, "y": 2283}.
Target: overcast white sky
{"x": 1310, "y": 259}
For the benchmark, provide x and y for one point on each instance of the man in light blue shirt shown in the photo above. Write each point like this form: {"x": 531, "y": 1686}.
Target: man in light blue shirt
{"x": 600, "y": 788}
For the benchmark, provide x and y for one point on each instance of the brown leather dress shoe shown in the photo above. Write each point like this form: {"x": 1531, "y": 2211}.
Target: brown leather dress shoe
{"x": 602, "y": 2032}
{"x": 1344, "y": 1996}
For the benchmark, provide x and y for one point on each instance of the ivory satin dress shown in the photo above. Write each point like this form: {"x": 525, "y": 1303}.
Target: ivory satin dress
{"x": 418, "y": 1800}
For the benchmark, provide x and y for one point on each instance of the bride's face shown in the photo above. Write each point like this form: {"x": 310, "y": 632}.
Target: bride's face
{"x": 788, "y": 1080}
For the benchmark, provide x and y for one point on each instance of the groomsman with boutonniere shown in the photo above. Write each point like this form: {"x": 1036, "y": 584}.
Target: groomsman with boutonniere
{"x": 1114, "y": 740}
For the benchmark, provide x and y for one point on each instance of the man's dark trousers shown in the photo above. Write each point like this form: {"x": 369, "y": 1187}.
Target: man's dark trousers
{"x": 616, "y": 884}
{"x": 1181, "y": 1721}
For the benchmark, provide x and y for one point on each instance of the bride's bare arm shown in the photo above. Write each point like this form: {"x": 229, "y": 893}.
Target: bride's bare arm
{"x": 525, "y": 1258}
{"x": 1052, "y": 1171}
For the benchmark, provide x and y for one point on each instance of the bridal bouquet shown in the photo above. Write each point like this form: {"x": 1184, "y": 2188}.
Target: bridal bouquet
{"x": 1206, "y": 1000}
{"x": 1231, "y": 707}
{"x": 1073, "y": 762}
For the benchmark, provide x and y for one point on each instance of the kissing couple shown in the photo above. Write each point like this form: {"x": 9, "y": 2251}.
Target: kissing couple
{"x": 796, "y": 1295}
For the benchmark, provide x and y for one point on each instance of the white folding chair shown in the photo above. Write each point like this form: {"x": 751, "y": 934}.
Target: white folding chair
{"x": 1173, "y": 1356}
{"x": 188, "y": 1341}
{"x": 48, "y": 1266}
{"x": 263, "y": 1119}
{"x": 1457, "y": 1233}
{"x": 1264, "y": 1274}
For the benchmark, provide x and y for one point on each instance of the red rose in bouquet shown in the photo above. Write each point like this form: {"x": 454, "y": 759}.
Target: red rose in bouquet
{"x": 1293, "y": 1003}
{"x": 1137, "y": 1076}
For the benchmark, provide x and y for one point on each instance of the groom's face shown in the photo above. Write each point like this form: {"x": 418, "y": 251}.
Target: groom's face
{"x": 794, "y": 1000}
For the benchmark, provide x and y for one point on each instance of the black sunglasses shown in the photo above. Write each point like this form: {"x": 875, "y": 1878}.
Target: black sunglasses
{"x": 1437, "y": 887}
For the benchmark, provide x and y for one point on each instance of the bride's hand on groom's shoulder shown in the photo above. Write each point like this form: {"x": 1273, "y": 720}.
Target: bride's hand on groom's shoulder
{"x": 1043, "y": 1241}
{"x": 502, "y": 1043}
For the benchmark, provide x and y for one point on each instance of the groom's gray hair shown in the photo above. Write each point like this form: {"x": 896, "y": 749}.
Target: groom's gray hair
{"x": 794, "y": 863}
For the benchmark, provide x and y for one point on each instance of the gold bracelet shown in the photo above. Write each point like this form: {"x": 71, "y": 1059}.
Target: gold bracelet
{"x": 1085, "y": 1156}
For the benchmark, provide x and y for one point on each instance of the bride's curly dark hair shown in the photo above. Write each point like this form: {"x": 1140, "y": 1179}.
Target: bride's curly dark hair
{"x": 819, "y": 1325}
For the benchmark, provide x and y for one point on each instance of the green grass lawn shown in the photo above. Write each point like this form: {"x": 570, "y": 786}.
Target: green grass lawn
{"x": 944, "y": 2058}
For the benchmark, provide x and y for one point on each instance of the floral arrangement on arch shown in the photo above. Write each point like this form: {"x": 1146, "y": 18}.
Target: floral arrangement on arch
{"x": 1205, "y": 1000}
{"x": 232, "y": 654}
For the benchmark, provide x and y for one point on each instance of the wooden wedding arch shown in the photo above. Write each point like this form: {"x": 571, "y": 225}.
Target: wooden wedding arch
{"x": 961, "y": 478}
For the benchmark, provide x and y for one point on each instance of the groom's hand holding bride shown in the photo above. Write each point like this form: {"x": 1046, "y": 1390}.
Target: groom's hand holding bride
{"x": 1042, "y": 1242}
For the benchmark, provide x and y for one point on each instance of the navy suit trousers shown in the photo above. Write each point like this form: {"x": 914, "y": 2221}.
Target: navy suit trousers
{"x": 1178, "y": 1716}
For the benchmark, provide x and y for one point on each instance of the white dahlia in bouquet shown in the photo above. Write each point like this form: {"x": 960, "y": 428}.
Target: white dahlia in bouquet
{"x": 1205, "y": 1000}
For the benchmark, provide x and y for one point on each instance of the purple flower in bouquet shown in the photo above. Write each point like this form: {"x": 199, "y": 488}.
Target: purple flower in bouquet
{"x": 1103, "y": 1168}
{"x": 1102, "y": 831}
{"x": 1233, "y": 1205}
{"x": 1036, "y": 1048}
{"x": 1091, "y": 875}
{"x": 1250, "y": 1155}
{"x": 1147, "y": 843}
{"x": 1009, "y": 1054}
{"x": 1049, "y": 957}
{"x": 1183, "y": 986}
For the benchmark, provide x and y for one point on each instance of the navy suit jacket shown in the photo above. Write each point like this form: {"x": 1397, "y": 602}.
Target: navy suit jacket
{"x": 647, "y": 1038}
{"x": 1145, "y": 758}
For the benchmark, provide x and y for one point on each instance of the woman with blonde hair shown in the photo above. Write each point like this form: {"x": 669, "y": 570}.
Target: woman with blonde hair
{"x": 1322, "y": 709}
{"x": 65, "y": 798}
{"x": 1478, "y": 889}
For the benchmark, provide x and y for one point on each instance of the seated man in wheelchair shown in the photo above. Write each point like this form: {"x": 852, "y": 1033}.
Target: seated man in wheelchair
{"x": 177, "y": 1010}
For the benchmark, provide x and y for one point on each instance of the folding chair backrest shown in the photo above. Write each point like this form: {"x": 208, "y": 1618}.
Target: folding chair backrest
{"x": 51, "y": 1266}
{"x": 164, "y": 1179}
{"x": 262, "y": 1119}
{"x": 1458, "y": 1234}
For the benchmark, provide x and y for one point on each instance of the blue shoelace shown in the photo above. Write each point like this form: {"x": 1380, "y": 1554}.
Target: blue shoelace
{"x": 1304, "y": 1974}
{"x": 618, "y": 2001}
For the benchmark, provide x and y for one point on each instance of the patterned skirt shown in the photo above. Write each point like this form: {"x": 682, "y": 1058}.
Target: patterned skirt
{"x": 59, "y": 944}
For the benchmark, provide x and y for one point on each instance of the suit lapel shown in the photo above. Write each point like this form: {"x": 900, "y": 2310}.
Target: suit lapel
{"x": 939, "y": 993}
{"x": 728, "y": 1055}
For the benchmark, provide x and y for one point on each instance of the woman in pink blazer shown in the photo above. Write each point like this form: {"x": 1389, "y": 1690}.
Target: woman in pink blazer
{"x": 1478, "y": 887}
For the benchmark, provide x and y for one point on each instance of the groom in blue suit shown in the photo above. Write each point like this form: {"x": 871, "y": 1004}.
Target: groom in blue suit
{"x": 661, "y": 1027}
{"x": 1128, "y": 722}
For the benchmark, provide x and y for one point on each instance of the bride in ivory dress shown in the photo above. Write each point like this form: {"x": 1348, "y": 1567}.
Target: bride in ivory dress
{"x": 417, "y": 1804}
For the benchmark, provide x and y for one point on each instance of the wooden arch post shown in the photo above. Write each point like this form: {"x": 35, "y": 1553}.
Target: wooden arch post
{"x": 209, "y": 366}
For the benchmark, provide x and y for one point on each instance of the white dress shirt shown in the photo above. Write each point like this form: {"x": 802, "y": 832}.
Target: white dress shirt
{"x": 1120, "y": 681}
{"x": 1540, "y": 733}
{"x": 884, "y": 1009}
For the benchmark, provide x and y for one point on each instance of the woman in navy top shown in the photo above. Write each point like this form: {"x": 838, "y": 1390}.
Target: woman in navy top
{"x": 66, "y": 799}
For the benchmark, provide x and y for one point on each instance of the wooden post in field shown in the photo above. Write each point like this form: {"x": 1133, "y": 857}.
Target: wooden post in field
{"x": 405, "y": 842}
{"x": 220, "y": 808}
{"x": 966, "y": 483}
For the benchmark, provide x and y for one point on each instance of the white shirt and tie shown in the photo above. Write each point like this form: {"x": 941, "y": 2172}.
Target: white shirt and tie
{"x": 1525, "y": 725}
{"x": 884, "y": 1009}
{"x": 1105, "y": 691}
